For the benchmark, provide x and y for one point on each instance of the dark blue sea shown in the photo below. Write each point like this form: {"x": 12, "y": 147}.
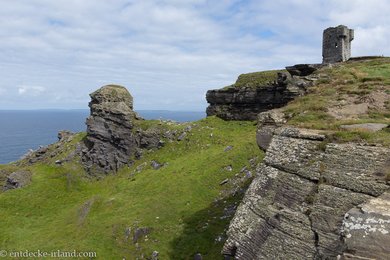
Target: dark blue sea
{"x": 24, "y": 130}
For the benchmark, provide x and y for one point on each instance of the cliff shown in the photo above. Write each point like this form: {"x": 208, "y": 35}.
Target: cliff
{"x": 303, "y": 198}
{"x": 169, "y": 190}
{"x": 258, "y": 92}
{"x": 322, "y": 189}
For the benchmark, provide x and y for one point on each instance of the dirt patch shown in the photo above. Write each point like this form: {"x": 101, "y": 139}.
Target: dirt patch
{"x": 353, "y": 106}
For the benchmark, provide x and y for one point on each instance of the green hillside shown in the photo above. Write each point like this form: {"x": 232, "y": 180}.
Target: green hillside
{"x": 184, "y": 207}
{"x": 354, "y": 92}
{"x": 182, "y": 204}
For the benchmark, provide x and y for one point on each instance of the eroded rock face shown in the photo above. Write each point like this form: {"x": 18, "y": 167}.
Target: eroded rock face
{"x": 295, "y": 207}
{"x": 110, "y": 140}
{"x": 303, "y": 69}
{"x": 245, "y": 103}
{"x": 267, "y": 122}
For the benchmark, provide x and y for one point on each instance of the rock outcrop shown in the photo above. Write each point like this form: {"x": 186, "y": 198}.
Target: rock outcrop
{"x": 246, "y": 101}
{"x": 303, "y": 69}
{"x": 18, "y": 179}
{"x": 297, "y": 204}
{"x": 110, "y": 140}
{"x": 114, "y": 139}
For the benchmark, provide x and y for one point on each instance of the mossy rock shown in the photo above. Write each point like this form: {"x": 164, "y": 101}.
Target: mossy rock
{"x": 112, "y": 93}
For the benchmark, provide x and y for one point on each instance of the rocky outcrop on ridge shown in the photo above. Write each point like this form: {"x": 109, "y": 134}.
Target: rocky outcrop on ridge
{"x": 303, "y": 69}
{"x": 244, "y": 101}
{"x": 313, "y": 200}
{"x": 114, "y": 137}
{"x": 45, "y": 154}
{"x": 110, "y": 141}
{"x": 18, "y": 179}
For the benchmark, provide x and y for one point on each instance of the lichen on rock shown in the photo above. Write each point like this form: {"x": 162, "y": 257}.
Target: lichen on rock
{"x": 295, "y": 207}
{"x": 366, "y": 229}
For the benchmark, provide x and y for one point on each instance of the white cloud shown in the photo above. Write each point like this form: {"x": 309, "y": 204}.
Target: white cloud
{"x": 31, "y": 90}
{"x": 166, "y": 51}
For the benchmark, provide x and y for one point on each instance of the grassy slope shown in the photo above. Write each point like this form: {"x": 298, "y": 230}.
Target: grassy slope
{"x": 255, "y": 79}
{"x": 63, "y": 210}
{"x": 351, "y": 80}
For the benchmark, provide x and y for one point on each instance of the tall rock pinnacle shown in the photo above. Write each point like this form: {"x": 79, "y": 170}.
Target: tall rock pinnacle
{"x": 110, "y": 141}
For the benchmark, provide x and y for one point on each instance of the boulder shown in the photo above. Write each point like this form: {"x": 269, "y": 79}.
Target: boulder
{"x": 155, "y": 255}
{"x": 18, "y": 179}
{"x": 182, "y": 136}
{"x": 366, "y": 229}
{"x": 149, "y": 139}
{"x": 156, "y": 165}
{"x": 64, "y": 135}
{"x": 303, "y": 69}
{"x": 139, "y": 233}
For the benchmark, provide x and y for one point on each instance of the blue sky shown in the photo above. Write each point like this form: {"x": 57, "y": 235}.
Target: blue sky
{"x": 168, "y": 53}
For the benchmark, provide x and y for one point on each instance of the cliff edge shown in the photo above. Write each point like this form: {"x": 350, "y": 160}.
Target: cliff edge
{"x": 304, "y": 202}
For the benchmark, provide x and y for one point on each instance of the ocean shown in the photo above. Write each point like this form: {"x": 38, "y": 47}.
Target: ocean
{"x": 28, "y": 129}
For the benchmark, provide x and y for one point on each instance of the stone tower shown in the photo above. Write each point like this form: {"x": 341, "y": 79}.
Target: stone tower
{"x": 336, "y": 44}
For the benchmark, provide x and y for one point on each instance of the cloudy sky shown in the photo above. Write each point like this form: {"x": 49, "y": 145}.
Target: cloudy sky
{"x": 168, "y": 53}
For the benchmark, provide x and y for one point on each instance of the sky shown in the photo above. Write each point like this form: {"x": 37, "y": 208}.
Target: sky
{"x": 167, "y": 53}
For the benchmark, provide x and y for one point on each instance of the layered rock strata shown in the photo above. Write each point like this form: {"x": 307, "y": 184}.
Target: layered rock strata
{"x": 110, "y": 140}
{"x": 114, "y": 136}
{"x": 246, "y": 102}
{"x": 296, "y": 206}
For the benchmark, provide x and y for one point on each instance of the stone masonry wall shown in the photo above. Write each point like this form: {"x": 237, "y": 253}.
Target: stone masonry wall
{"x": 336, "y": 45}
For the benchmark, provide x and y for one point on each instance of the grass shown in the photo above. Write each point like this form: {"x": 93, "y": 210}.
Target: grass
{"x": 340, "y": 82}
{"x": 255, "y": 79}
{"x": 182, "y": 203}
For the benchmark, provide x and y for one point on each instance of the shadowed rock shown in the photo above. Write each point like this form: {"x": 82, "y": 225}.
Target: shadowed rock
{"x": 267, "y": 122}
{"x": 246, "y": 102}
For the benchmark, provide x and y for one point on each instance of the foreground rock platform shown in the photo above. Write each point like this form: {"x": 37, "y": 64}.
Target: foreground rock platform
{"x": 296, "y": 206}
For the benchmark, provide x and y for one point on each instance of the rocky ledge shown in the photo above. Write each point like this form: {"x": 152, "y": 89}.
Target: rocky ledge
{"x": 314, "y": 200}
{"x": 249, "y": 96}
